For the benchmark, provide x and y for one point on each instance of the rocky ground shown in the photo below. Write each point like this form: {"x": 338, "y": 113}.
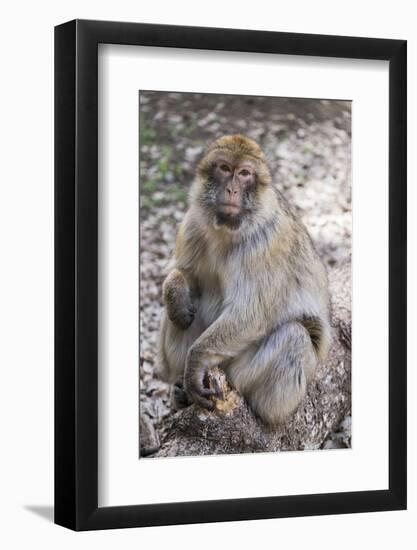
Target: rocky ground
{"x": 308, "y": 145}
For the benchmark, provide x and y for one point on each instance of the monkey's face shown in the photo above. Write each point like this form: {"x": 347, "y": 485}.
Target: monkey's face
{"x": 230, "y": 191}
{"x": 231, "y": 179}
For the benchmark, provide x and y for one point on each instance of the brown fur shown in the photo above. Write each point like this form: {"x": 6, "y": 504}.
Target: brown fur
{"x": 248, "y": 293}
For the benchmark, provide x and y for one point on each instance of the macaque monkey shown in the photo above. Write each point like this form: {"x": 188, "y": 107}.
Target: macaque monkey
{"x": 246, "y": 290}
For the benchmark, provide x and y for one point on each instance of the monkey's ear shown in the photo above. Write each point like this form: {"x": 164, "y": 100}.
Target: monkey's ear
{"x": 204, "y": 168}
{"x": 263, "y": 174}
{"x": 206, "y": 164}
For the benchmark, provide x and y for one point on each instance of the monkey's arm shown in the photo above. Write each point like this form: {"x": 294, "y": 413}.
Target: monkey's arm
{"x": 176, "y": 292}
{"x": 230, "y": 334}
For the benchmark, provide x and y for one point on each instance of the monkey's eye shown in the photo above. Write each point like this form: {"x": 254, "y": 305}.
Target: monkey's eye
{"x": 225, "y": 168}
{"x": 244, "y": 173}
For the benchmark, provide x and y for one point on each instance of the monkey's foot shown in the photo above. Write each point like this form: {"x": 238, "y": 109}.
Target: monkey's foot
{"x": 179, "y": 397}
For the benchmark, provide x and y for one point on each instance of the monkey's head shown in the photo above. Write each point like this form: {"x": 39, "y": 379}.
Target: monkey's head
{"x": 231, "y": 179}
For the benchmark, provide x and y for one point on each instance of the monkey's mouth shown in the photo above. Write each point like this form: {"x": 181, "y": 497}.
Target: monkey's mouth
{"x": 229, "y": 208}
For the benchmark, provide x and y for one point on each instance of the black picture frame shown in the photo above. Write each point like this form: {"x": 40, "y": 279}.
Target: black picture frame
{"x": 76, "y": 272}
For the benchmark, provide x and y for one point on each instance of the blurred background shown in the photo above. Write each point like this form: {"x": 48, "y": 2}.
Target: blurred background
{"x": 308, "y": 146}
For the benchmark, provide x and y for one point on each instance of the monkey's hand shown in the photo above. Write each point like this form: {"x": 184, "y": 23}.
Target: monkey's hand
{"x": 176, "y": 292}
{"x": 181, "y": 312}
{"x": 196, "y": 383}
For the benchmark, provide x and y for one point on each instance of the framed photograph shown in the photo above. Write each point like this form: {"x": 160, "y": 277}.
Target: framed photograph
{"x": 230, "y": 275}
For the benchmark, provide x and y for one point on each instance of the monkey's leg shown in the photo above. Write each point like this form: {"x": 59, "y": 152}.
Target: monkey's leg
{"x": 273, "y": 376}
{"x": 173, "y": 346}
{"x": 177, "y": 297}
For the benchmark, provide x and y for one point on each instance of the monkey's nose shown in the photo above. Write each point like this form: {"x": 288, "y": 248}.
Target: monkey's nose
{"x": 231, "y": 191}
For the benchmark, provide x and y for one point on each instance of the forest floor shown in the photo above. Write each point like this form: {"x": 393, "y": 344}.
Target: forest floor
{"x": 308, "y": 146}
